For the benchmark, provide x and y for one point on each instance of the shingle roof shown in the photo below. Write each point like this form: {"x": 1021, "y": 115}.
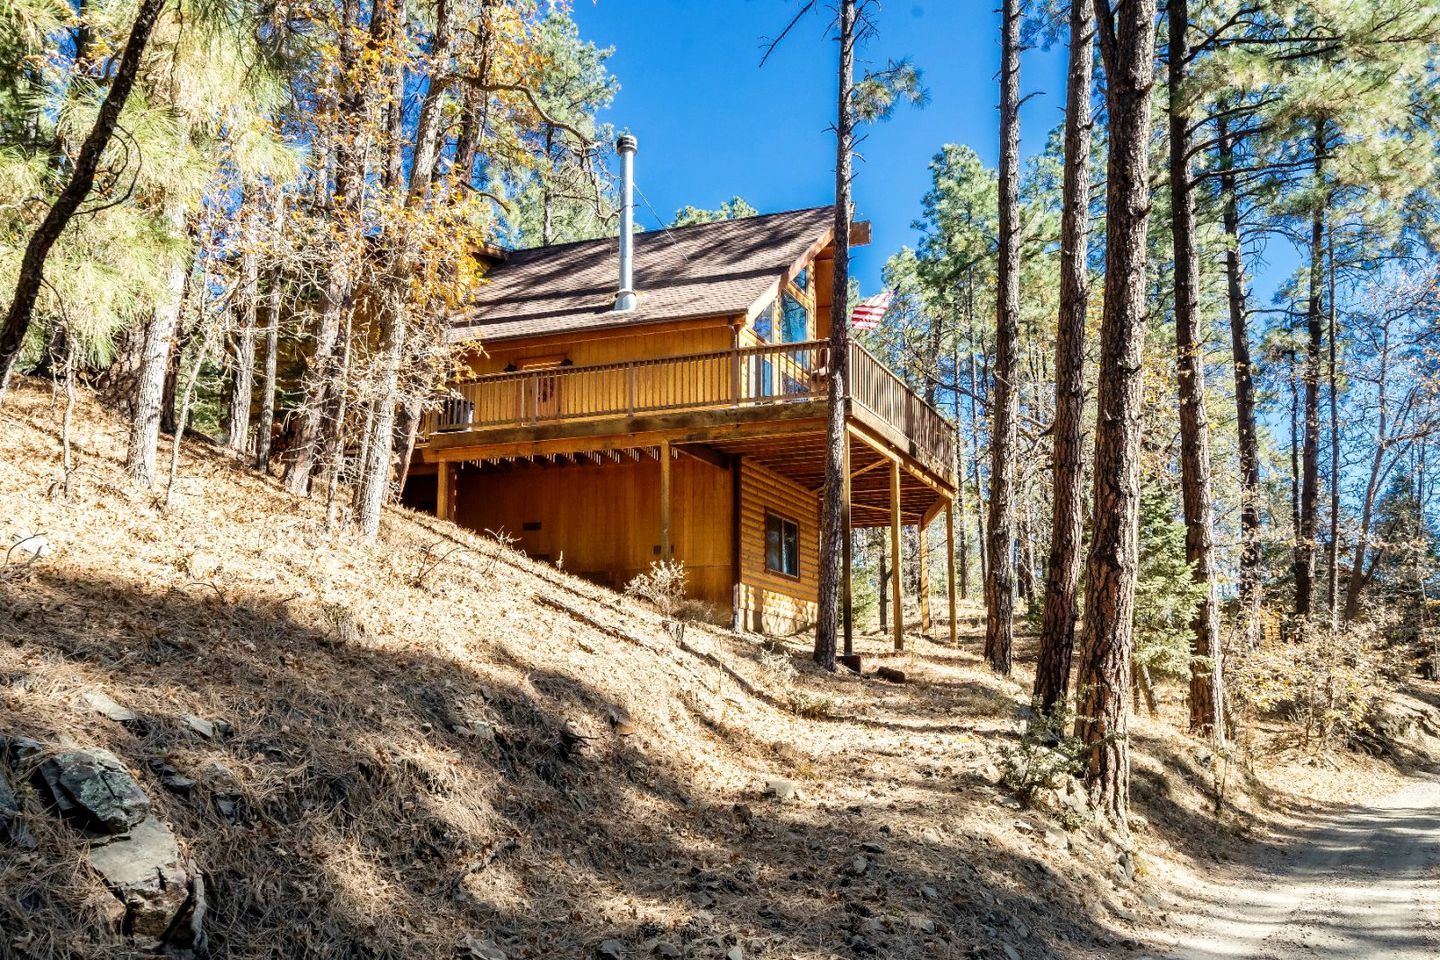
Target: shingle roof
{"x": 710, "y": 269}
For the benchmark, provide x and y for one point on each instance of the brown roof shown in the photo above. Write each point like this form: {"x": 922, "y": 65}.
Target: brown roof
{"x": 703, "y": 270}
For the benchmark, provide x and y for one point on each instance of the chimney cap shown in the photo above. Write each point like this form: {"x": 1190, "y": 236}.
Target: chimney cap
{"x": 626, "y": 142}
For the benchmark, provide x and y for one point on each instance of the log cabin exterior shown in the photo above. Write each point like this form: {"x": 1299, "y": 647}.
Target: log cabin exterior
{"x": 690, "y": 428}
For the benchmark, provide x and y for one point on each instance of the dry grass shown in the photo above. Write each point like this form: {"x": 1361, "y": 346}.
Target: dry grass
{"x": 412, "y": 760}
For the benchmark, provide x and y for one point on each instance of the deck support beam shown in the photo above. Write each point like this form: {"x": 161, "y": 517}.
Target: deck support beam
{"x": 950, "y": 564}
{"x": 847, "y": 609}
{"x": 445, "y": 491}
{"x": 924, "y": 578}
{"x": 665, "y": 501}
{"x": 897, "y": 599}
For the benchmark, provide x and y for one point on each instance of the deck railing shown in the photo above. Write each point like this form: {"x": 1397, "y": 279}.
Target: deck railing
{"x": 769, "y": 374}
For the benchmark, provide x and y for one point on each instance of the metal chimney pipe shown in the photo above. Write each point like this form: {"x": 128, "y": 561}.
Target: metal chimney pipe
{"x": 625, "y": 299}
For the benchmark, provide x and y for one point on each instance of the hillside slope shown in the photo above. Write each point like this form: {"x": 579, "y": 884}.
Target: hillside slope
{"x": 433, "y": 747}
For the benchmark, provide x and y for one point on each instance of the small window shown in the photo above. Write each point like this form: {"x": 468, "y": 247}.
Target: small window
{"x": 782, "y": 545}
{"x": 802, "y": 280}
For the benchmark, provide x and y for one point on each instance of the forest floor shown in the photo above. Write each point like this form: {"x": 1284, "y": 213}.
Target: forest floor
{"x": 433, "y": 746}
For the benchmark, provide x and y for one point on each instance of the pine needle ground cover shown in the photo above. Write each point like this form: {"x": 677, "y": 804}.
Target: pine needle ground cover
{"x": 432, "y": 746}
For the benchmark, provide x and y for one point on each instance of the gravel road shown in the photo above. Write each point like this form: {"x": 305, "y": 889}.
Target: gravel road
{"x": 1363, "y": 883}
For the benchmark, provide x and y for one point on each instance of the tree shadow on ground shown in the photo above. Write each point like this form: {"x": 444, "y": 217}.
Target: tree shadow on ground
{"x": 377, "y": 803}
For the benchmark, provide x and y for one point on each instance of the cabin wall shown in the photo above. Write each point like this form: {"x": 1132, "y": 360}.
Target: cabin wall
{"x": 603, "y": 520}
{"x": 771, "y": 602}
{"x": 607, "y": 346}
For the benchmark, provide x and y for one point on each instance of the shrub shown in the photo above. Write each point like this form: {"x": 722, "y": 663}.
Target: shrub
{"x": 1325, "y": 682}
{"x": 1046, "y": 755}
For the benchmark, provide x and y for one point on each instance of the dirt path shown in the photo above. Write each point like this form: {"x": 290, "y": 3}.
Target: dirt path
{"x": 1360, "y": 884}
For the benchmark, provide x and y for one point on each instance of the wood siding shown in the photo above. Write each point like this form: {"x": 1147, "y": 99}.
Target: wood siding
{"x": 609, "y": 346}
{"x": 603, "y": 521}
{"x": 772, "y": 602}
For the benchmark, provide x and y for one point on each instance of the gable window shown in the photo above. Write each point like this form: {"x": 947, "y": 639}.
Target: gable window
{"x": 765, "y": 323}
{"x": 794, "y": 320}
{"x": 782, "y": 545}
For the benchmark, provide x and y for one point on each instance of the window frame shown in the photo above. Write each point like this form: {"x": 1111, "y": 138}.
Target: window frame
{"x": 795, "y": 525}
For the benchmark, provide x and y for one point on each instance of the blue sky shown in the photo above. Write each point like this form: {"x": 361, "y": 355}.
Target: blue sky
{"x": 712, "y": 123}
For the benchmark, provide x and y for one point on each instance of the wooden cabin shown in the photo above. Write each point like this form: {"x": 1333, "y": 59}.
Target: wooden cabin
{"x": 690, "y": 427}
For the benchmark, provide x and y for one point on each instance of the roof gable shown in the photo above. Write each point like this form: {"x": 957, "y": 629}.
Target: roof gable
{"x": 704, "y": 270}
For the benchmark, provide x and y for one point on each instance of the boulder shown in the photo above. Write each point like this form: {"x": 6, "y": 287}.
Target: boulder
{"x": 144, "y": 871}
{"x": 93, "y": 789}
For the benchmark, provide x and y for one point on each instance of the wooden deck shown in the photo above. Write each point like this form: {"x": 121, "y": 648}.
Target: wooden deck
{"x": 725, "y": 398}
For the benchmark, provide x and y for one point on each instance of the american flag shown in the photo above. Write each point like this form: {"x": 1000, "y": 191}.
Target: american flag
{"x": 868, "y": 312}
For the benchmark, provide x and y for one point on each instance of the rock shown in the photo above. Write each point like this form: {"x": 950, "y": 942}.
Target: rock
{"x": 611, "y": 950}
{"x": 870, "y": 846}
{"x": 890, "y": 674}
{"x": 199, "y": 725}
{"x": 93, "y": 788}
{"x": 782, "y": 789}
{"x": 102, "y": 703}
{"x": 1010, "y": 952}
{"x": 473, "y": 948}
{"x": 29, "y": 547}
{"x": 989, "y": 772}
{"x": 859, "y": 865}
{"x": 1057, "y": 839}
{"x": 736, "y": 952}
{"x": 668, "y": 950}
{"x": 15, "y": 749}
{"x": 170, "y": 778}
{"x": 144, "y": 871}
{"x": 12, "y": 828}
{"x": 923, "y": 924}
{"x": 929, "y": 893}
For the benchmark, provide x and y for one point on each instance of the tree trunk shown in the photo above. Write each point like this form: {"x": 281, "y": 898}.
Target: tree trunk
{"x": 316, "y": 428}
{"x": 243, "y": 384}
{"x": 1310, "y": 450}
{"x": 1250, "y": 587}
{"x": 1057, "y": 624}
{"x": 1207, "y": 711}
{"x": 962, "y": 541}
{"x": 1127, "y": 45}
{"x": 1332, "y": 582}
{"x": 155, "y": 357}
{"x": 31, "y": 275}
{"x": 265, "y": 429}
{"x": 834, "y": 511}
{"x": 974, "y": 441}
{"x": 1004, "y": 399}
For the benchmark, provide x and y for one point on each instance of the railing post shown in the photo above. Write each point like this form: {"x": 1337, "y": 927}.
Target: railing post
{"x": 630, "y": 387}
{"x": 735, "y": 374}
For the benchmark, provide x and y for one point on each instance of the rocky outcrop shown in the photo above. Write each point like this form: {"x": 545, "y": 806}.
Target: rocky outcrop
{"x": 132, "y": 850}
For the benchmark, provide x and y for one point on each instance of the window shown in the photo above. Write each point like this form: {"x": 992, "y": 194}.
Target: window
{"x": 782, "y": 545}
{"x": 802, "y": 281}
{"x": 765, "y": 324}
{"x": 794, "y": 320}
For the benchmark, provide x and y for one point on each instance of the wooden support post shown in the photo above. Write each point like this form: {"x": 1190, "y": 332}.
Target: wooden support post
{"x": 897, "y": 600}
{"x": 924, "y": 578}
{"x": 445, "y": 491}
{"x": 950, "y": 564}
{"x": 847, "y": 607}
{"x": 665, "y": 500}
